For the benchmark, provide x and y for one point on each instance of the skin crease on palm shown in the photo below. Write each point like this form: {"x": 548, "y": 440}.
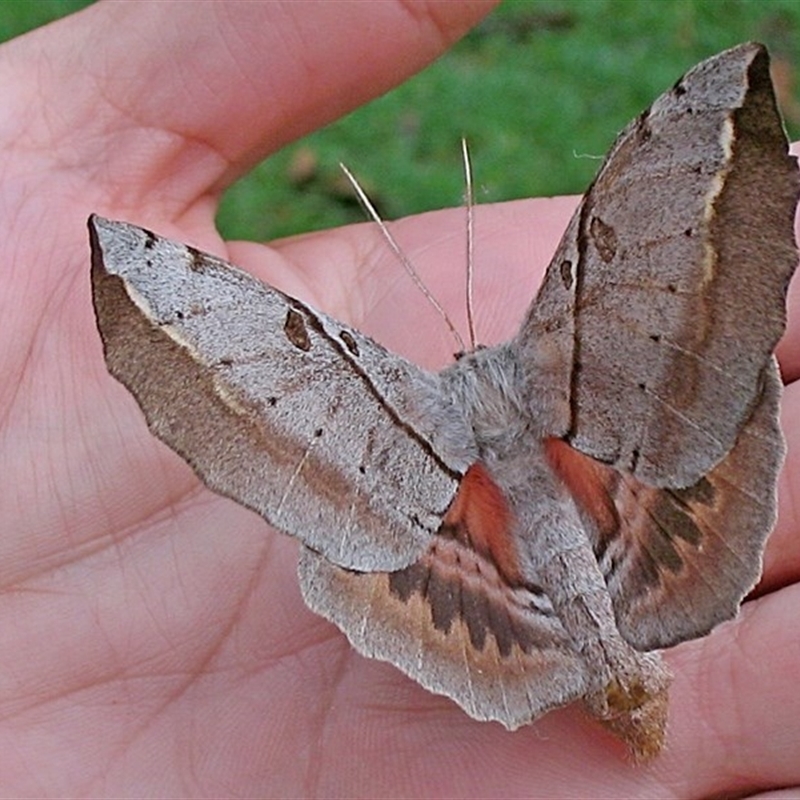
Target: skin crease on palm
{"x": 152, "y": 635}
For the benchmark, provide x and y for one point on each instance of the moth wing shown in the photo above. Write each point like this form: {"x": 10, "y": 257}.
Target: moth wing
{"x": 679, "y": 561}
{"x": 467, "y": 621}
{"x": 662, "y": 307}
{"x": 302, "y": 419}
{"x": 450, "y": 622}
{"x": 691, "y": 555}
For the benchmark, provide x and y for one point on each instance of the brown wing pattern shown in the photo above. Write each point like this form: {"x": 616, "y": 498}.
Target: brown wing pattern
{"x": 679, "y": 561}
{"x": 289, "y": 412}
{"x": 457, "y": 623}
{"x": 489, "y": 648}
{"x": 667, "y": 294}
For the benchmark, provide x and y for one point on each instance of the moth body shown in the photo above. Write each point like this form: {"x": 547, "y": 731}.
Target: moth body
{"x": 550, "y": 512}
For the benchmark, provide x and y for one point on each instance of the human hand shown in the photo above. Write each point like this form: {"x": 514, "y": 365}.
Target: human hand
{"x": 154, "y": 638}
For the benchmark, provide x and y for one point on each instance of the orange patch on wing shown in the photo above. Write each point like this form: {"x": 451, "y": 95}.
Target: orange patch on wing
{"x": 480, "y": 508}
{"x": 589, "y": 482}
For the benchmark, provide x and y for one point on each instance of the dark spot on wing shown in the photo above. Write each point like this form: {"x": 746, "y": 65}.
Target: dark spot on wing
{"x": 476, "y": 599}
{"x": 643, "y": 129}
{"x": 701, "y": 492}
{"x": 475, "y": 612}
{"x": 676, "y": 519}
{"x": 406, "y": 582}
{"x": 198, "y": 262}
{"x": 296, "y": 331}
{"x": 659, "y": 547}
{"x": 499, "y": 624}
{"x": 604, "y": 238}
{"x": 565, "y": 269}
{"x": 349, "y": 342}
{"x": 444, "y": 597}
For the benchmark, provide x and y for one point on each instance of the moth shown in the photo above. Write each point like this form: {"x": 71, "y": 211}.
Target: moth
{"x": 532, "y": 524}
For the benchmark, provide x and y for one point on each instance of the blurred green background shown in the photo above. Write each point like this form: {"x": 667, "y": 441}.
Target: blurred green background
{"x": 536, "y": 88}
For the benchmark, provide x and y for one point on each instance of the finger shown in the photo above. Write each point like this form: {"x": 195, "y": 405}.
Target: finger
{"x": 788, "y": 349}
{"x": 163, "y": 102}
{"x": 734, "y": 720}
{"x": 514, "y": 242}
{"x": 782, "y": 554}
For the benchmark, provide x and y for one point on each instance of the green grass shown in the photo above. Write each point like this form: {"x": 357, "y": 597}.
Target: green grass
{"x": 534, "y": 89}
{"x": 19, "y": 16}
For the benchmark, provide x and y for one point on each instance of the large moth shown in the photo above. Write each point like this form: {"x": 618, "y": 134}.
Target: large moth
{"x": 533, "y": 523}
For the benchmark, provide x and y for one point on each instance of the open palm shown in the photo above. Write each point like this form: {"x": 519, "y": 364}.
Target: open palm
{"x": 153, "y": 637}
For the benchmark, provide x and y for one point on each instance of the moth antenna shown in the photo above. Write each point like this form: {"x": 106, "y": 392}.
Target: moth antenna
{"x": 403, "y": 258}
{"x": 469, "y": 197}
